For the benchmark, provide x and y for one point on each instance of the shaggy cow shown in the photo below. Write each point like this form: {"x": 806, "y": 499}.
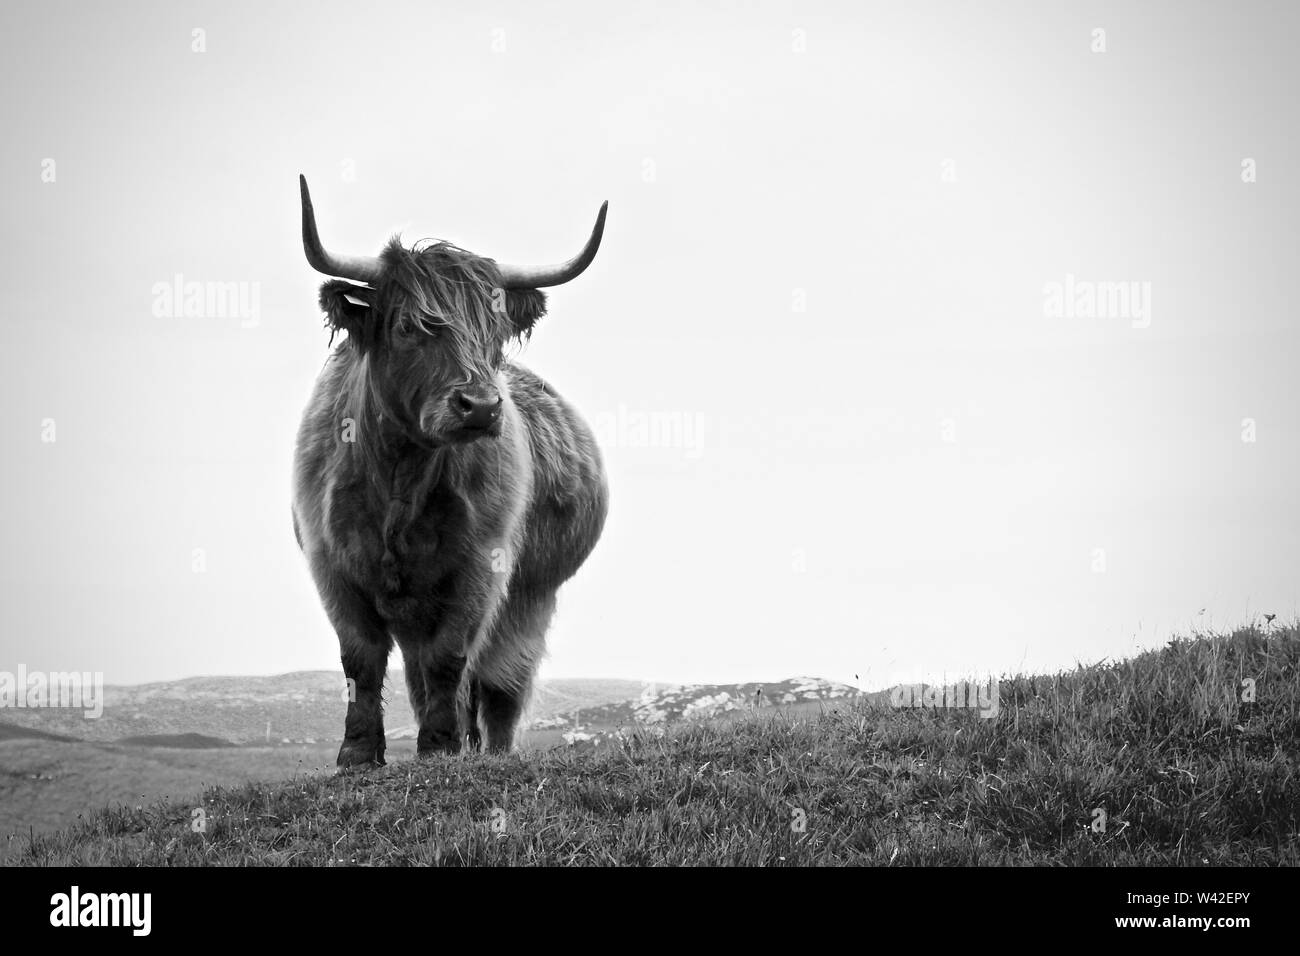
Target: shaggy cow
{"x": 442, "y": 493}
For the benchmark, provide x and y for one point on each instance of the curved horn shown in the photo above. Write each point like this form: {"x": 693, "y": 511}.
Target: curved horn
{"x": 537, "y": 277}
{"x": 359, "y": 268}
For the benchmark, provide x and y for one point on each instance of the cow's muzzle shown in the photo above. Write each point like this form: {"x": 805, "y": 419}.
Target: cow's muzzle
{"x": 476, "y": 410}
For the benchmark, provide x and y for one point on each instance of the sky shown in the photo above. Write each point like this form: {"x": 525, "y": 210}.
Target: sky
{"x": 925, "y": 338}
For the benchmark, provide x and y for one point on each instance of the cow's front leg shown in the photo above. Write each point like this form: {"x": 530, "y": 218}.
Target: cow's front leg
{"x": 441, "y": 658}
{"x": 442, "y": 664}
{"x": 471, "y": 697}
{"x": 364, "y": 644}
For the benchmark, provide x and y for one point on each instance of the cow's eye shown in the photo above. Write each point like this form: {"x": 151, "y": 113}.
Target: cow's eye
{"x": 414, "y": 332}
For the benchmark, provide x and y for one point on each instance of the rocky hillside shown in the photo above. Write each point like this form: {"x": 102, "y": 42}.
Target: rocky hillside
{"x": 660, "y": 705}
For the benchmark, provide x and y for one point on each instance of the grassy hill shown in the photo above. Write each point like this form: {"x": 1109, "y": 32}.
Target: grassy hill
{"x": 50, "y": 780}
{"x": 1161, "y": 748}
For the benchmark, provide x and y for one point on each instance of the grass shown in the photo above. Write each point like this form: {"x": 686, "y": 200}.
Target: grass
{"x": 47, "y": 785}
{"x": 1184, "y": 771}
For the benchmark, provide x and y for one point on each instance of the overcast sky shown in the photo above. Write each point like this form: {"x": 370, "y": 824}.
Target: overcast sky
{"x": 849, "y": 257}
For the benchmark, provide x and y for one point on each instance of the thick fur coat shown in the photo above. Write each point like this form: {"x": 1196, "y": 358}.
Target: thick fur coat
{"x": 451, "y": 545}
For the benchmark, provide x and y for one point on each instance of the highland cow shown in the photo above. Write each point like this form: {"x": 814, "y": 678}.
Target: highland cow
{"x": 442, "y": 492}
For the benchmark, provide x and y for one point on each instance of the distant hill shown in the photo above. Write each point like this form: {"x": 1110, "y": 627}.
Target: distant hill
{"x": 660, "y": 705}
{"x": 307, "y": 707}
{"x": 183, "y": 741}
{"x": 303, "y": 707}
{"x": 18, "y": 732}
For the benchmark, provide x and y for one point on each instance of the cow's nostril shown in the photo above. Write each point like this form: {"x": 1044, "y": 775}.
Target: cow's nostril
{"x": 477, "y": 409}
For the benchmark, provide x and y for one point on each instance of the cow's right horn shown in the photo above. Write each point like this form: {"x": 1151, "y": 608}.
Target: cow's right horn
{"x": 358, "y": 268}
{"x": 539, "y": 277}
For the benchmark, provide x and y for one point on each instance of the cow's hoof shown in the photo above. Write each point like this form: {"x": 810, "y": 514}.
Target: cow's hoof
{"x": 441, "y": 749}
{"x": 359, "y": 757}
{"x": 435, "y": 743}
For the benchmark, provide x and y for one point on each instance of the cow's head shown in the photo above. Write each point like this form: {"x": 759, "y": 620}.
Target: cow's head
{"x": 432, "y": 323}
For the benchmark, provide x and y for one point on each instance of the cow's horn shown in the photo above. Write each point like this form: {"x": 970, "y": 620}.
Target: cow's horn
{"x": 537, "y": 277}
{"x": 359, "y": 268}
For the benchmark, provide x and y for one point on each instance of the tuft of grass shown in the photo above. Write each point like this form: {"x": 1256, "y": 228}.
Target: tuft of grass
{"x": 1161, "y": 749}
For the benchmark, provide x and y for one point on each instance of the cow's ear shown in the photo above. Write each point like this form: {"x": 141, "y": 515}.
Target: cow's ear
{"x": 525, "y": 307}
{"x": 346, "y": 306}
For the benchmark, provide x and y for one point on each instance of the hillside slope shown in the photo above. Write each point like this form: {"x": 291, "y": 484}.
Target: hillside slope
{"x": 1155, "y": 760}
{"x": 49, "y": 781}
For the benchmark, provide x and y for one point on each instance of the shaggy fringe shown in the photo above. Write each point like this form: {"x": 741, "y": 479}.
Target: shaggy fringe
{"x": 436, "y": 289}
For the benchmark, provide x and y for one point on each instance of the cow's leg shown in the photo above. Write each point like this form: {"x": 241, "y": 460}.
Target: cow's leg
{"x": 467, "y": 702}
{"x": 446, "y": 714}
{"x": 502, "y": 708}
{"x": 442, "y": 668}
{"x": 364, "y": 644}
{"x": 473, "y": 693}
{"x": 509, "y": 661}
{"x": 414, "y": 676}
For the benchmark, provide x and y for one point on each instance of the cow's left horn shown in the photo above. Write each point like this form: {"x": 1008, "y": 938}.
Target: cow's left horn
{"x": 538, "y": 277}
{"x": 359, "y": 268}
